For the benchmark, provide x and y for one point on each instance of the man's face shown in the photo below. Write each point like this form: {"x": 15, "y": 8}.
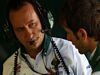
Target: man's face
{"x": 76, "y": 39}
{"x": 27, "y": 27}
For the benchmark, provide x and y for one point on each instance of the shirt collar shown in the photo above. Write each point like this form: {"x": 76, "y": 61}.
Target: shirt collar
{"x": 92, "y": 54}
{"x": 45, "y": 44}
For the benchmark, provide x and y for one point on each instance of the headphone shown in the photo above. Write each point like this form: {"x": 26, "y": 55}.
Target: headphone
{"x": 45, "y": 16}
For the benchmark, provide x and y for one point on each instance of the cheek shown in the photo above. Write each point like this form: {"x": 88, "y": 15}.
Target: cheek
{"x": 79, "y": 45}
{"x": 20, "y": 36}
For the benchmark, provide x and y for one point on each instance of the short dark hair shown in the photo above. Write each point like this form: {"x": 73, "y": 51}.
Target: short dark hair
{"x": 82, "y": 14}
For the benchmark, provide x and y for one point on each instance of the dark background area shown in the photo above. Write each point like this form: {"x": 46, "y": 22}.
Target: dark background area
{"x": 8, "y": 44}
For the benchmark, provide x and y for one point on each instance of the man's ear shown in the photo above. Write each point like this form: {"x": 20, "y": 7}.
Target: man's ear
{"x": 82, "y": 34}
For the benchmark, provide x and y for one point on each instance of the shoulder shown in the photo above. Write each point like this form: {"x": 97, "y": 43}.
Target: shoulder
{"x": 66, "y": 48}
{"x": 8, "y": 65}
{"x": 60, "y": 41}
{"x": 10, "y": 59}
{"x": 64, "y": 44}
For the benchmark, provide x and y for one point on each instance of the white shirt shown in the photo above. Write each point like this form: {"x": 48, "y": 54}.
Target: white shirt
{"x": 96, "y": 73}
{"x": 87, "y": 68}
{"x": 69, "y": 53}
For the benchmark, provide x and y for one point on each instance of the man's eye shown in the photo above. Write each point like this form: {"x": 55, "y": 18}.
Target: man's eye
{"x": 31, "y": 25}
{"x": 19, "y": 29}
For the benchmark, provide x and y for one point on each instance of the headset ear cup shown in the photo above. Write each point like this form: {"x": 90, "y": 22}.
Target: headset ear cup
{"x": 47, "y": 19}
{"x": 50, "y": 19}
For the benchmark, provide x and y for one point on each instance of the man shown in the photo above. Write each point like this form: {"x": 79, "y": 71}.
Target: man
{"x": 81, "y": 21}
{"x": 39, "y": 53}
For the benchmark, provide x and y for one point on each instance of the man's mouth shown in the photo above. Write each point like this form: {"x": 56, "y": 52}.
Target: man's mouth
{"x": 31, "y": 42}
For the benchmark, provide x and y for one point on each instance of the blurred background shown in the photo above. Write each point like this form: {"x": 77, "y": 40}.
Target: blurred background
{"x": 8, "y": 44}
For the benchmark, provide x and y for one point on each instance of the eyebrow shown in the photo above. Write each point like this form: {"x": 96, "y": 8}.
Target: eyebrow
{"x": 30, "y": 21}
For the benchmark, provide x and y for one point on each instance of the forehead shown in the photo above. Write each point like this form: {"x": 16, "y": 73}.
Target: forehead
{"x": 24, "y": 8}
{"x": 24, "y": 14}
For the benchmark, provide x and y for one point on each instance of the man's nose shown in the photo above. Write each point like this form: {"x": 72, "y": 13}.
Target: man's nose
{"x": 29, "y": 33}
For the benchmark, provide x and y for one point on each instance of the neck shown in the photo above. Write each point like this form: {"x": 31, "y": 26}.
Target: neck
{"x": 92, "y": 44}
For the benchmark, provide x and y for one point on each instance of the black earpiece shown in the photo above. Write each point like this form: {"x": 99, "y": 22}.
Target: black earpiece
{"x": 45, "y": 16}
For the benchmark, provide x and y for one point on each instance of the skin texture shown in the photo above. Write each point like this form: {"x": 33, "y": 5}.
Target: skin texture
{"x": 27, "y": 28}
